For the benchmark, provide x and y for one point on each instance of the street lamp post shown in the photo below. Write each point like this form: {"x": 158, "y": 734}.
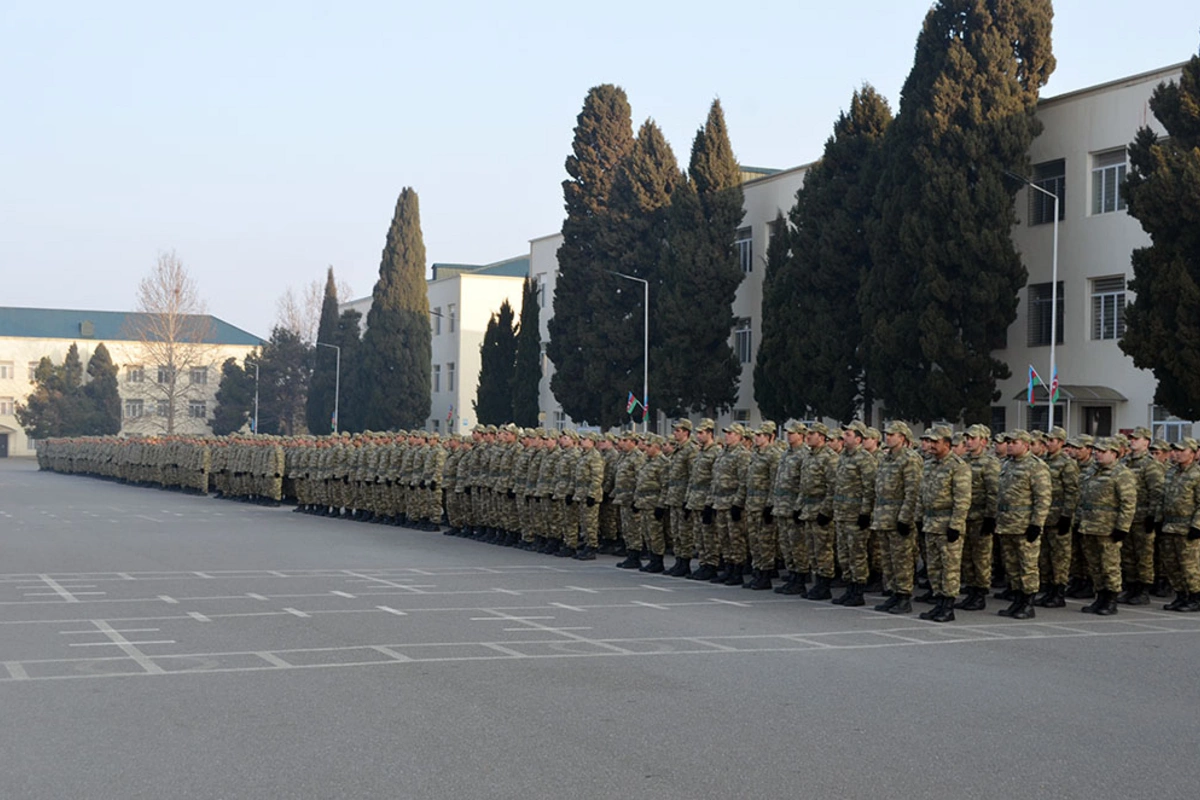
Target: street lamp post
{"x": 256, "y": 397}
{"x": 337, "y": 382}
{"x": 1053, "y": 297}
{"x": 645, "y": 346}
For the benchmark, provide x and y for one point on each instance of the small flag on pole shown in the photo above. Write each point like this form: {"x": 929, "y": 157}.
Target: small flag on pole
{"x": 333, "y": 421}
{"x": 1054, "y": 385}
{"x": 631, "y": 403}
{"x": 450, "y": 414}
{"x": 1034, "y": 380}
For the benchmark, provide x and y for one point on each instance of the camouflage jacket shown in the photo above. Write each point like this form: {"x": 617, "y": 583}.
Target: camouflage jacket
{"x": 786, "y": 485}
{"x": 985, "y": 485}
{"x": 1107, "y": 501}
{"x": 1180, "y": 508}
{"x": 1024, "y": 495}
{"x": 818, "y": 475}
{"x": 626, "y": 479}
{"x": 945, "y": 495}
{"x": 728, "y": 486}
{"x": 650, "y": 487}
{"x": 854, "y": 485}
{"x": 589, "y": 475}
{"x": 700, "y": 477}
{"x": 1150, "y": 478}
{"x": 760, "y": 477}
{"x": 1064, "y": 486}
{"x": 678, "y": 474}
{"x": 897, "y": 489}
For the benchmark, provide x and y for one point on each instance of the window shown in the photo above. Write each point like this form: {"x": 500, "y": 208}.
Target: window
{"x": 197, "y": 409}
{"x": 1038, "y": 416}
{"x": 135, "y": 375}
{"x": 1108, "y": 170}
{"x": 741, "y": 415}
{"x": 540, "y": 281}
{"x": 1168, "y": 426}
{"x": 452, "y": 312}
{"x": 1040, "y": 301}
{"x": 134, "y": 409}
{"x": 999, "y": 419}
{"x": 31, "y": 445}
{"x": 560, "y": 420}
{"x": 450, "y": 377}
{"x": 436, "y": 424}
{"x": 1108, "y": 308}
{"x": 33, "y": 365}
{"x": 437, "y": 321}
{"x": 437, "y": 377}
{"x": 6, "y": 370}
{"x": 162, "y": 408}
{"x": 1097, "y": 420}
{"x": 744, "y": 243}
{"x": 199, "y": 376}
{"x": 1051, "y": 176}
{"x": 166, "y": 375}
{"x": 6, "y": 407}
{"x": 742, "y": 340}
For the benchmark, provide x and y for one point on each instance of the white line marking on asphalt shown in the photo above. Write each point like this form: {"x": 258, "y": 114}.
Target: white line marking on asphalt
{"x": 499, "y": 648}
{"x": 125, "y": 576}
{"x": 392, "y": 584}
{"x": 196, "y": 615}
{"x": 128, "y": 648}
{"x": 390, "y": 653}
{"x": 271, "y": 658}
{"x": 118, "y": 630}
{"x": 119, "y": 644}
{"x": 507, "y": 591}
{"x": 346, "y": 595}
{"x": 16, "y": 670}
{"x": 58, "y": 589}
{"x": 650, "y": 605}
{"x": 656, "y": 588}
{"x": 729, "y": 602}
{"x": 277, "y": 573}
{"x": 567, "y": 607}
{"x": 254, "y": 596}
{"x": 202, "y": 575}
{"x": 802, "y": 640}
{"x": 151, "y": 519}
{"x": 421, "y": 571}
{"x": 552, "y": 630}
{"x": 898, "y": 636}
{"x": 168, "y": 599}
{"x": 391, "y": 610}
{"x": 505, "y": 618}
{"x": 713, "y": 644}
{"x": 296, "y": 613}
{"x": 581, "y": 589}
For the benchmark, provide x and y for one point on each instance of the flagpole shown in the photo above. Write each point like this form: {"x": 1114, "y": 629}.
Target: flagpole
{"x": 645, "y": 346}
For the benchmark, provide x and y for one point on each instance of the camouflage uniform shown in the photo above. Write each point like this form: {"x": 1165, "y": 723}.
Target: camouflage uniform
{"x": 1056, "y": 542}
{"x": 853, "y": 504}
{"x": 1024, "y": 502}
{"x": 624, "y": 485}
{"x": 1179, "y": 516}
{"x": 699, "y": 483}
{"x": 815, "y": 511}
{"x": 682, "y": 541}
{"x": 981, "y": 520}
{"x": 1107, "y": 504}
{"x": 786, "y": 507}
{"x": 649, "y": 496}
{"x": 760, "y": 485}
{"x": 1137, "y": 551}
{"x": 727, "y": 497}
{"x": 945, "y": 505}
{"x": 588, "y": 492}
{"x": 897, "y": 491}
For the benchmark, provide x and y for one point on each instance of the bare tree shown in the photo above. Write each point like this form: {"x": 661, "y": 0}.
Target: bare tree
{"x": 174, "y": 330}
{"x": 300, "y": 312}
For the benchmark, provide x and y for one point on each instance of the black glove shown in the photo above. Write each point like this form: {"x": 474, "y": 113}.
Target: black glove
{"x": 735, "y": 513}
{"x": 467, "y": 491}
{"x": 796, "y": 517}
{"x": 864, "y": 521}
{"x": 822, "y": 519}
{"x": 433, "y": 485}
{"x": 1032, "y": 533}
{"x": 1118, "y": 535}
{"x": 1193, "y": 534}
{"x": 660, "y": 512}
{"x": 952, "y": 535}
{"x": 903, "y": 528}
{"x": 570, "y": 500}
{"x": 422, "y": 484}
{"x": 1158, "y": 527}
{"x": 591, "y": 501}
{"x": 1148, "y": 524}
{"x": 989, "y": 526}
{"x": 511, "y": 494}
{"x": 687, "y": 513}
{"x": 1063, "y": 526}
{"x": 528, "y": 499}
{"x": 769, "y": 515}
{"x": 706, "y": 516}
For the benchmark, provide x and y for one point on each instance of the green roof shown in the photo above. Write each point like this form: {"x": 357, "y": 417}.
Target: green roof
{"x": 57, "y": 323}
{"x": 517, "y": 267}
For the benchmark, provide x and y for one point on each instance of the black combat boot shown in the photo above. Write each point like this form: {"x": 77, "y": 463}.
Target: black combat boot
{"x": 856, "y": 596}
{"x": 938, "y": 605}
{"x": 1192, "y": 605}
{"x": 796, "y": 585}
{"x": 706, "y": 572}
{"x": 1162, "y": 587}
{"x": 976, "y": 599}
{"x": 654, "y": 565}
{"x": 681, "y": 568}
{"x": 1025, "y": 610}
{"x": 929, "y": 597}
{"x": 945, "y": 613}
{"x": 1083, "y": 589}
{"x": 1008, "y": 594}
{"x": 722, "y": 572}
{"x": 820, "y": 589}
{"x": 1097, "y": 604}
{"x": 1109, "y": 605}
{"x": 734, "y": 575}
{"x": 903, "y": 603}
{"x": 845, "y": 596}
{"x": 632, "y": 561}
{"x": 1018, "y": 601}
{"x": 1136, "y": 595}
{"x": 889, "y": 604}
{"x": 761, "y": 582}
{"x": 1181, "y": 600}
{"x": 586, "y": 553}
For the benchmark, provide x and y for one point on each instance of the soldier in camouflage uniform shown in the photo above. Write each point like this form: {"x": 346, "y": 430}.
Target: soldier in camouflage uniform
{"x": 610, "y": 528}
{"x": 565, "y": 516}
{"x": 624, "y": 485}
{"x": 649, "y": 503}
{"x": 944, "y": 507}
{"x": 1080, "y": 585}
{"x": 981, "y": 518}
{"x": 678, "y": 517}
{"x": 727, "y": 498}
{"x": 1055, "y": 563}
{"x": 853, "y": 504}
{"x": 588, "y": 492}
{"x": 549, "y": 525}
{"x": 815, "y": 504}
{"x": 1024, "y": 503}
{"x": 760, "y": 513}
{"x": 1137, "y": 551}
{"x": 696, "y": 503}
{"x": 897, "y": 491}
{"x": 1107, "y": 505}
{"x": 1178, "y": 520}
{"x": 786, "y": 508}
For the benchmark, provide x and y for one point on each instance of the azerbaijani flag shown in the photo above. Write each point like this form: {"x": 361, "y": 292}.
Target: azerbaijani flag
{"x": 450, "y": 414}
{"x": 631, "y": 403}
{"x": 1034, "y": 380}
{"x": 1054, "y": 385}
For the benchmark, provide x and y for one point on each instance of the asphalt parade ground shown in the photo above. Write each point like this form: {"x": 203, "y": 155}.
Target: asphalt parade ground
{"x": 161, "y": 645}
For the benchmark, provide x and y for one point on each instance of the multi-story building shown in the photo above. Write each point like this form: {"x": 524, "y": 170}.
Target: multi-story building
{"x": 29, "y": 334}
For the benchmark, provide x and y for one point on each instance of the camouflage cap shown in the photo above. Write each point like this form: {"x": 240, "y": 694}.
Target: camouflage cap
{"x": 858, "y": 426}
{"x": 682, "y": 425}
{"x": 571, "y": 433}
{"x": 1160, "y": 444}
{"x": 611, "y": 437}
{"x": 591, "y": 436}
{"x": 978, "y": 431}
{"x": 768, "y": 428}
{"x": 1082, "y": 440}
{"x": 1121, "y": 440}
{"x": 1141, "y": 432}
{"x": 873, "y": 433}
{"x": 956, "y": 439}
{"x": 736, "y": 427}
{"x": 1020, "y": 435}
{"x": 1057, "y": 433}
{"x": 796, "y": 426}
{"x": 1038, "y": 436}
{"x": 1106, "y": 443}
{"x": 1186, "y": 443}
{"x": 834, "y": 433}
{"x": 510, "y": 428}
{"x": 900, "y": 427}
{"x": 939, "y": 433}
{"x": 823, "y": 429}
{"x": 706, "y": 424}
{"x": 491, "y": 429}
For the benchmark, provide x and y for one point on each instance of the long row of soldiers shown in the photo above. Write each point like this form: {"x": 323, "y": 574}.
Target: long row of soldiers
{"x": 1107, "y": 518}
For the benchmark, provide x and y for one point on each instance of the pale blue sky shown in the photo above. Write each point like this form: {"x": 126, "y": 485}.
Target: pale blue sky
{"x": 263, "y": 141}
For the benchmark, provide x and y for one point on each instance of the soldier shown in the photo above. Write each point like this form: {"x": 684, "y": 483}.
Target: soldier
{"x": 532, "y": 531}
{"x": 944, "y": 508}
{"x": 548, "y": 510}
{"x": 1055, "y": 562}
{"x": 649, "y": 507}
{"x": 1107, "y": 504}
{"x": 760, "y": 519}
{"x": 897, "y": 491}
{"x": 815, "y": 503}
{"x": 727, "y": 498}
{"x": 624, "y": 485}
{"x": 699, "y": 483}
{"x": 1179, "y": 521}
{"x": 678, "y": 517}
{"x": 1024, "y": 502}
{"x": 587, "y": 494}
{"x": 610, "y": 526}
{"x": 786, "y": 507}
{"x": 1079, "y": 586}
{"x": 853, "y": 503}
{"x": 981, "y": 518}
{"x": 1162, "y": 453}
{"x": 564, "y": 489}
{"x": 1137, "y": 551}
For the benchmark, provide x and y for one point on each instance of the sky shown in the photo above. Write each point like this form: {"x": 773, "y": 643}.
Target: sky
{"x": 265, "y": 141}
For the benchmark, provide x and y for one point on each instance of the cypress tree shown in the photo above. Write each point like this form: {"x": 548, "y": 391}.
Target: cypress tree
{"x": 41, "y": 415}
{"x": 943, "y": 287}
{"x": 811, "y": 360}
{"x": 319, "y": 408}
{"x": 397, "y": 347}
{"x": 527, "y": 372}
{"x": 350, "y": 399}
{"x": 582, "y": 380}
{"x": 698, "y": 369}
{"x": 778, "y": 357}
{"x": 102, "y": 393}
{"x": 497, "y": 357}
{"x": 235, "y": 398}
{"x": 1162, "y": 326}
{"x": 283, "y": 382}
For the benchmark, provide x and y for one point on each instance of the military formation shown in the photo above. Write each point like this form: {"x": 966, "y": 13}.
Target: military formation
{"x": 1112, "y": 520}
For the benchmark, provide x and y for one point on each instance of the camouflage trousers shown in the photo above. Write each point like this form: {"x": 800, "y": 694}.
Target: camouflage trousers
{"x": 1137, "y": 554}
{"x": 1020, "y": 562}
{"x": 1181, "y": 560}
{"x": 454, "y": 508}
{"x": 762, "y": 536}
{"x": 706, "y": 540}
{"x": 609, "y": 527}
{"x": 653, "y": 532}
{"x": 732, "y": 537}
{"x": 793, "y": 543}
{"x": 898, "y": 561}
{"x": 976, "y": 556}
{"x": 583, "y": 525}
{"x": 1055, "y": 562}
{"x": 1078, "y": 561}
{"x": 682, "y": 541}
{"x": 943, "y": 564}
{"x": 1103, "y": 562}
{"x": 556, "y": 519}
{"x": 820, "y": 540}
{"x": 631, "y": 529}
{"x": 853, "y": 551}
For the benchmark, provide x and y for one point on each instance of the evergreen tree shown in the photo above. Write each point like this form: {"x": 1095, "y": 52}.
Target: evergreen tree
{"x": 696, "y": 367}
{"x": 943, "y": 287}
{"x": 75, "y": 410}
{"x": 319, "y": 408}
{"x": 810, "y": 360}
{"x": 527, "y": 372}
{"x": 283, "y": 382}
{"x": 397, "y": 347}
{"x": 584, "y": 291}
{"x": 1162, "y": 326}
{"x": 350, "y": 398}
{"x": 103, "y": 395}
{"x": 235, "y": 398}
{"x": 497, "y": 357}
{"x": 41, "y": 414}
